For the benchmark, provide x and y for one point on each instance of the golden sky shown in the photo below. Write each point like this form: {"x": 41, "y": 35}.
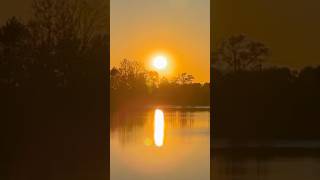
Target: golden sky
{"x": 289, "y": 28}
{"x": 178, "y": 29}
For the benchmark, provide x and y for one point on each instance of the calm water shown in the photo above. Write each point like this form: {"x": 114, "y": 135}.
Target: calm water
{"x": 268, "y": 164}
{"x": 163, "y": 144}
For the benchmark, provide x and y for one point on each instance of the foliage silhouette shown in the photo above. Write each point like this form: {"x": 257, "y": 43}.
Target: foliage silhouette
{"x": 239, "y": 52}
{"x": 47, "y": 63}
{"x": 133, "y": 86}
{"x": 266, "y": 103}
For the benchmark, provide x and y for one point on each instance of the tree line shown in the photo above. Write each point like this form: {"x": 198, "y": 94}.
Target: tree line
{"x": 134, "y": 86}
{"x": 62, "y": 42}
{"x": 53, "y": 69}
{"x": 254, "y": 101}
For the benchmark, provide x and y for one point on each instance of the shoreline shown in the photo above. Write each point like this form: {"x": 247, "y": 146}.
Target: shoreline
{"x": 266, "y": 144}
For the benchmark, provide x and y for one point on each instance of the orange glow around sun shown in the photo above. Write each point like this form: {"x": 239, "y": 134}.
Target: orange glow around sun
{"x": 161, "y": 63}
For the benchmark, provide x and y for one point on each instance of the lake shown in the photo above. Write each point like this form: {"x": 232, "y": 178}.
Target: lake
{"x": 164, "y": 143}
{"x": 272, "y": 163}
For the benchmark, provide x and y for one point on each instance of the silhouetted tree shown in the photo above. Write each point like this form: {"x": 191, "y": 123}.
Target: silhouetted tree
{"x": 152, "y": 80}
{"x": 184, "y": 78}
{"x": 132, "y": 74}
{"x": 14, "y": 52}
{"x": 132, "y": 84}
{"x": 164, "y": 82}
{"x": 114, "y": 78}
{"x": 241, "y": 53}
{"x": 52, "y": 81}
{"x": 58, "y": 21}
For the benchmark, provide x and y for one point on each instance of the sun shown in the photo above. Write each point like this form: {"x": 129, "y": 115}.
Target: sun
{"x": 160, "y": 62}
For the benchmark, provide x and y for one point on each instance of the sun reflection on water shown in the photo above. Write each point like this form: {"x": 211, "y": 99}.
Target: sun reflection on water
{"x": 158, "y": 128}
{"x": 160, "y": 143}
